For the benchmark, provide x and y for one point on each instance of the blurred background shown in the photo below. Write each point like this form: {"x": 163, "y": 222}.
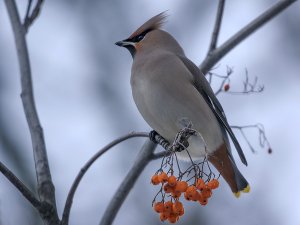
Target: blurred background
{"x": 83, "y": 97}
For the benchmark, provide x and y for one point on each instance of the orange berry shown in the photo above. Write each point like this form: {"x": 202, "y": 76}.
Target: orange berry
{"x": 203, "y": 201}
{"x": 200, "y": 184}
{"x": 186, "y": 196}
{"x": 181, "y": 186}
{"x": 172, "y": 181}
{"x": 173, "y": 218}
{"x": 206, "y": 192}
{"x": 163, "y": 177}
{"x": 177, "y": 207}
{"x": 168, "y": 206}
{"x": 213, "y": 184}
{"x": 155, "y": 180}
{"x": 181, "y": 212}
{"x": 226, "y": 87}
{"x": 159, "y": 207}
{"x": 195, "y": 196}
{"x": 176, "y": 194}
{"x": 191, "y": 192}
{"x": 200, "y": 197}
{"x": 168, "y": 188}
{"x": 191, "y": 189}
{"x": 164, "y": 215}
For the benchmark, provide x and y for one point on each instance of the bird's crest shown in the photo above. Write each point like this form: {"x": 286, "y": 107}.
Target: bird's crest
{"x": 155, "y": 22}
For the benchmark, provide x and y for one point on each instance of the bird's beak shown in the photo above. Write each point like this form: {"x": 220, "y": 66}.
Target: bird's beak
{"x": 124, "y": 43}
{"x": 119, "y": 43}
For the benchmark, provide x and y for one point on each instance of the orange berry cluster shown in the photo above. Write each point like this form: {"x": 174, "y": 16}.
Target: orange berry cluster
{"x": 169, "y": 211}
{"x": 172, "y": 210}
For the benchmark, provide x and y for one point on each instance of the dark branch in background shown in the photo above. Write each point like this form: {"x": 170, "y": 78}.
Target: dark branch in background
{"x": 30, "y": 17}
{"x": 20, "y": 186}
{"x": 69, "y": 201}
{"x": 217, "y": 27}
{"x": 141, "y": 161}
{"x": 214, "y": 56}
{"x": 263, "y": 141}
{"x": 45, "y": 186}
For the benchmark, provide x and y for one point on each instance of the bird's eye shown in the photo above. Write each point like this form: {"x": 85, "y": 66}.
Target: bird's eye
{"x": 139, "y": 38}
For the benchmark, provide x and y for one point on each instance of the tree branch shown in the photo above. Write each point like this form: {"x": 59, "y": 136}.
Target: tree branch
{"x": 69, "y": 201}
{"x": 140, "y": 163}
{"x": 214, "y": 56}
{"x": 30, "y": 18}
{"x": 45, "y": 186}
{"x": 20, "y": 186}
{"x": 262, "y": 138}
{"x": 215, "y": 34}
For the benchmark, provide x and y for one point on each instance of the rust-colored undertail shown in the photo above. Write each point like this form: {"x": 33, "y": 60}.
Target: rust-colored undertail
{"x": 221, "y": 161}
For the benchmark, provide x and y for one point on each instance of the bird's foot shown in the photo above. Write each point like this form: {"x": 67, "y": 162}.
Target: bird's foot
{"x": 158, "y": 139}
{"x": 152, "y": 135}
{"x": 182, "y": 145}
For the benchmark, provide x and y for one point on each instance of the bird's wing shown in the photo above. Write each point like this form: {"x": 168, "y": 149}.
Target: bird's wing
{"x": 206, "y": 91}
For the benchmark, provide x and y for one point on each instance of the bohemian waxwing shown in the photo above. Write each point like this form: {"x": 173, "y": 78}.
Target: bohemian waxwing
{"x": 170, "y": 91}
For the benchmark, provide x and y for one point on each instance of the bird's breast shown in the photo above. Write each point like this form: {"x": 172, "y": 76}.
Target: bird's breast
{"x": 164, "y": 98}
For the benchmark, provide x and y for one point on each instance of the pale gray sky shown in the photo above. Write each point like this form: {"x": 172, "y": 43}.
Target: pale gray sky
{"x": 83, "y": 96}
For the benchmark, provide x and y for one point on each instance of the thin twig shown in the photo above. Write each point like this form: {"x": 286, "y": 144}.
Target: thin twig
{"x": 143, "y": 158}
{"x": 241, "y": 35}
{"x": 262, "y": 138}
{"x": 30, "y": 18}
{"x": 225, "y": 79}
{"x": 29, "y": 195}
{"x": 44, "y": 181}
{"x": 216, "y": 31}
{"x": 249, "y": 87}
{"x": 69, "y": 201}
{"x": 28, "y": 10}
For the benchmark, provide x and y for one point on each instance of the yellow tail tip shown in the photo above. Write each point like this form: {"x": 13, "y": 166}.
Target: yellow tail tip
{"x": 245, "y": 190}
{"x": 237, "y": 194}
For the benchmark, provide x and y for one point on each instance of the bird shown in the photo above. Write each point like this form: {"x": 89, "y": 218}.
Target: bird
{"x": 171, "y": 92}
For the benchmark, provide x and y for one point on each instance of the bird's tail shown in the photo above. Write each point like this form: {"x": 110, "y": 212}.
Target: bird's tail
{"x": 225, "y": 164}
{"x": 241, "y": 183}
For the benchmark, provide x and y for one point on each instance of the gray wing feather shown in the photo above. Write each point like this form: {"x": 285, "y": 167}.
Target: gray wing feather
{"x": 206, "y": 91}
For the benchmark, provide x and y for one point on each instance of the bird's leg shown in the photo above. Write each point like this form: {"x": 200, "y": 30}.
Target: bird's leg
{"x": 158, "y": 139}
{"x": 152, "y": 135}
{"x": 181, "y": 140}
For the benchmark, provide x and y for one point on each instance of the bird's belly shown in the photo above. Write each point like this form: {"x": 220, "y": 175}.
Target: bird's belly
{"x": 164, "y": 113}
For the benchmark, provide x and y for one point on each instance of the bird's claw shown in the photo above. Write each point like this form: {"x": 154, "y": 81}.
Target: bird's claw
{"x": 152, "y": 135}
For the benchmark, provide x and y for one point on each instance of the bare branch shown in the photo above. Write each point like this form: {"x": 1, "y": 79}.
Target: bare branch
{"x": 20, "y": 186}
{"x": 215, "y": 55}
{"x": 30, "y": 17}
{"x": 215, "y": 34}
{"x": 224, "y": 87}
{"x": 224, "y": 79}
{"x": 69, "y": 201}
{"x": 263, "y": 141}
{"x": 158, "y": 155}
{"x": 143, "y": 158}
{"x": 28, "y": 10}
{"x": 249, "y": 88}
{"x": 45, "y": 186}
